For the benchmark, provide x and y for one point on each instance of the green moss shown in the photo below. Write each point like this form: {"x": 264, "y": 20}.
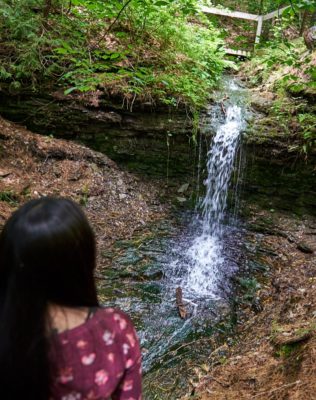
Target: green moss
{"x": 287, "y": 350}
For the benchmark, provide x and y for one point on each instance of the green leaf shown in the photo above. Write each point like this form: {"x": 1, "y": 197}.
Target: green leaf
{"x": 68, "y": 91}
{"x": 161, "y": 3}
{"x": 61, "y": 50}
{"x": 115, "y": 56}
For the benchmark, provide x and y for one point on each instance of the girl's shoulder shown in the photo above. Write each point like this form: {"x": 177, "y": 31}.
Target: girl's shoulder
{"x": 115, "y": 318}
{"x": 104, "y": 320}
{"x": 108, "y": 313}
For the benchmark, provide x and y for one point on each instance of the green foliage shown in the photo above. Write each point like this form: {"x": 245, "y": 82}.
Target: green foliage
{"x": 9, "y": 196}
{"x": 299, "y": 5}
{"x": 264, "y": 6}
{"x": 157, "y": 50}
{"x": 287, "y": 350}
{"x": 288, "y": 62}
{"x": 84, "y": 195}
{"x": 308, "y": 123}
{"x": 289, "y": 69}
{"x": 250, "y": 286}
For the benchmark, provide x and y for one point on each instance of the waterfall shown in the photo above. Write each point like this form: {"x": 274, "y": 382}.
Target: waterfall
{"x": 200, "y": 266}
{"x": 220, "y": 163}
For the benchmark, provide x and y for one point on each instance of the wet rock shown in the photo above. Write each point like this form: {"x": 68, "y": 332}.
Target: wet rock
{"x": 257, "y": 267}
{"x": 262, "y": 102}
{"x": 154, "y": 275}
{"x": 151, "y": 289}
{"x": 130, "y": 258}
{"x": 256, "y": 305}
{"x": 109, "y": 117}
{"x": 152, "y": 271}
{"x": 108, "y": 254}
{"x": 122, "y": 244}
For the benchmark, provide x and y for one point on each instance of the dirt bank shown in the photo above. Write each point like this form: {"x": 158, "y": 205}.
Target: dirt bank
{"x": 117, "y": 203}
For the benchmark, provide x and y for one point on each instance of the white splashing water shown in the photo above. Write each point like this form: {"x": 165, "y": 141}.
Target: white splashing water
{"x": 220, "y": 166}
{"x": 204, "y": 257}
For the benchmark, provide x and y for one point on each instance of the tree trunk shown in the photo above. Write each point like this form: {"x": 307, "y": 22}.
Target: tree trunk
{"x": 303, "y": 23}
{"x": 47, "y": 8}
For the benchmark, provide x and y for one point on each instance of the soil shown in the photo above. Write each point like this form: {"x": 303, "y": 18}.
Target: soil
{"x": 117, "y": 203}
{"x": 273, "y": 353}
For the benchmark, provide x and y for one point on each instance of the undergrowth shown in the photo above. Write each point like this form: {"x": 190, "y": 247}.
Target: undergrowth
{"x": 288, "y": 69}
{"x": 141, "y": 50}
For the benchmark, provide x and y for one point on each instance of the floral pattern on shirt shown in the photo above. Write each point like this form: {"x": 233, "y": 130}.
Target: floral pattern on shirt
{"x": 98, "y": 360}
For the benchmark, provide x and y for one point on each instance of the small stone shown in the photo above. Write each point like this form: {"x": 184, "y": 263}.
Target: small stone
{"x": 122, "y": 196}
{"x": 4, "y": 173}
{"x": 183, "y": 188}
{"x": 74, "y": 176}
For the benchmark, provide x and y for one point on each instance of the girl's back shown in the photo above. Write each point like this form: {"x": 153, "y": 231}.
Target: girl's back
{"x": 97, "y": 359}
{"x": 49, "y": 349}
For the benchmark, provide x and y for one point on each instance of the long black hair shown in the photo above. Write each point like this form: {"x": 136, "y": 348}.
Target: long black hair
{"x": 47, "y": 256}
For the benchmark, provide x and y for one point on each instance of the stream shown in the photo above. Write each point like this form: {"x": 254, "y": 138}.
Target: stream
{"x": 199, "y": 254}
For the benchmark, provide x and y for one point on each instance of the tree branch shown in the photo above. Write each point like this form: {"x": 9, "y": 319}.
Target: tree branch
{"x": 118, "y": 16}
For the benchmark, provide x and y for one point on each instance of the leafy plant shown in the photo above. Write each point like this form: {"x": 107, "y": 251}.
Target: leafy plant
{"x": 9, "y": 196}
{"x": 157, "y": 50}
{"x": 308, "y": 123}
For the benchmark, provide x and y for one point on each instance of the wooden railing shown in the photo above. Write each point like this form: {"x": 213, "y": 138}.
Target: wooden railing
{"x": 241, "y": 15}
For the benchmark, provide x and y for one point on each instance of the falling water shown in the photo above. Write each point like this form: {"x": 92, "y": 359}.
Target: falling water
{"x": 220, "y": 166}
{"x": 202, "y": 265}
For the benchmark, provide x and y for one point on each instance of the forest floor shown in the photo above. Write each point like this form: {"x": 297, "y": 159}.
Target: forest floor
{"x": 272, "y": 354}
{"x": 117, "y": 203}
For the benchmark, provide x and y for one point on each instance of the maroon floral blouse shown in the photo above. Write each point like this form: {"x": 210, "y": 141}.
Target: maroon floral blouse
{"x": 97, "y": 360}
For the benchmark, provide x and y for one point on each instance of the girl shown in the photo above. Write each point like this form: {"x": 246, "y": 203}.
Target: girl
{"x": 55, "y": 340}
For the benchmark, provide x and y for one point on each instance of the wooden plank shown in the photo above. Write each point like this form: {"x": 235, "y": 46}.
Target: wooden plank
{"x": 242, "y": 15}
{"x": 227, "y": 13}
{"x": 276, "y": 13}
{"x": 259, "y": 29}
{"x": 242, "y": 53}
{"x": 181, "y": 307}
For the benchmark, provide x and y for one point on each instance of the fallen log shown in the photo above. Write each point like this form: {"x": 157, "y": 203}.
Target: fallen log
{"x": 281, "y": 340}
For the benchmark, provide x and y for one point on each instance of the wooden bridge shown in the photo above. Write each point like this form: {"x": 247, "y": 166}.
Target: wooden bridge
{"x": 241, "y": 15}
